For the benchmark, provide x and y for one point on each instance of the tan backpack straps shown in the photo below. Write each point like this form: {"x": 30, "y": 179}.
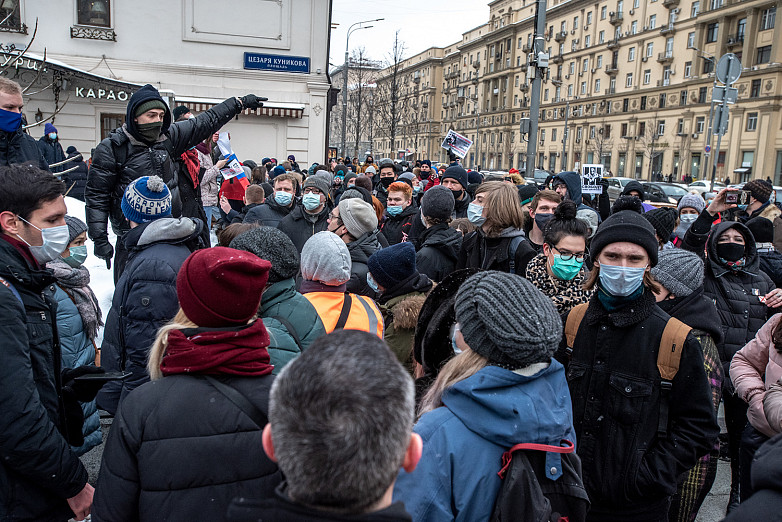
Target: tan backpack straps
{"x": 572, "y": 324}
{"x": 669, "y": 355}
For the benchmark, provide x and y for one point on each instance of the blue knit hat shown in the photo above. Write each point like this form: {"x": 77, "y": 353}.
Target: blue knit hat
{"x": 49, "y": 128}
{"x": 146, "y": 199}
{"x": 392, "y": 265}
{"x": 276, "y": 171}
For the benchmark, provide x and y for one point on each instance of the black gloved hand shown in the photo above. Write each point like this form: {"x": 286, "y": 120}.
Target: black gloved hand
{"x": 252, "y": 101}
{"x": 84, "y": 391}
{"x": 74, "y": 418}
{"x": 104, "y": 250}
{"x": 604, "y": 184}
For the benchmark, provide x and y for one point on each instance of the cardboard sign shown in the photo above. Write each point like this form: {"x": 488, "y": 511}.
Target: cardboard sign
{"x": 590, "y": 179}
{"x": 457, "y": 143}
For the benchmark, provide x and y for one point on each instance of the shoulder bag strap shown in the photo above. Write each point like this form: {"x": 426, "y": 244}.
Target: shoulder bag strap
{"x": 241, "y": 402}
{"x": 572, "y": 324}
{"x": 343, "y": 315}
{"x": 669, "y": 355}
{"x": 291, "y": 330}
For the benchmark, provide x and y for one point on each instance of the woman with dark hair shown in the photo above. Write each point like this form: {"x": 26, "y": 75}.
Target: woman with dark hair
{"x": 559, "y": 270}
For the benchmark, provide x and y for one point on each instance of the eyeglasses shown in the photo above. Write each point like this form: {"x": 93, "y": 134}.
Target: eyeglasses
{"x": 567, "y": 256}
{"x": 311, "y": 190}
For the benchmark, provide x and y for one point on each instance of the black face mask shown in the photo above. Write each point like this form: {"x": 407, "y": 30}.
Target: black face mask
{"x": 386, "y": 182}
{"x": 669, "y": 304}
{"x": 149, "y": 132}
{"x": 457, "y": 193}
{"x": 730, "y": 251}
{"x": 542, "y": 219}
{"x": 425, "y": 175}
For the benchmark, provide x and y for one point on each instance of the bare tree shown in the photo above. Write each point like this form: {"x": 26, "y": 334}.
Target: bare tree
{"x": 683, "y": 148}
{"x": 357, "y": 99}
{"x": 600, "y": 145}
{"x": 389, "y": 93}
{"x": 649, "y": 141}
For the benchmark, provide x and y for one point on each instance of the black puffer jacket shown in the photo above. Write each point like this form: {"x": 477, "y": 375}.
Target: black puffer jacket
{"x": 144, "y": 300}
{"x": 300, "y": 226}
{"x": 180, "y": 450}
{"x": 629, "y": 471}
{"x": 76, "y": 180}
{"x": 270, "y": 214}
{"x": 52, "y": 152}
{"x": 38, "y": 469}
{"x": 440, "y": 245}
{"x": 771, "y": 262}
{"x": 397, "y": 228}
{"x": 123, "y": 157}
{"x": 18, "y": 147}
{"x": 493, "y": 253}
{"x": 767, "y": 482}
{"x": 360, "y": 250}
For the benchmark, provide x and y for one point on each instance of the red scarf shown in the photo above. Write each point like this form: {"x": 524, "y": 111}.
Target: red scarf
{"x": 236, "y": 351}
{"x": 190, "y": 157}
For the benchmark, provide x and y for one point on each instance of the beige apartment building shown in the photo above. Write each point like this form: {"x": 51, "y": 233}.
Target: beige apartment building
{"x": 631, "y": 80}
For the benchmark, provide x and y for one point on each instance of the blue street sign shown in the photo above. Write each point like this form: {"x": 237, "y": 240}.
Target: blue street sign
{"x": 275, "y": 62}
{"x": 707, "y": 148}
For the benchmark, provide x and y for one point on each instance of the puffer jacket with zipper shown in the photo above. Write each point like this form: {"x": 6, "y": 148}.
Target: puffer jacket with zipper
{"x": 439, "y": 252}
{"x": 18, "y": 147}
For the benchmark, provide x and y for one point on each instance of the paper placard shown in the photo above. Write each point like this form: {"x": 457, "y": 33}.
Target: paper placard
{"x": 458, "y": 144}
{"x": 232, "y": 168}
{"x": 590, "y": 179}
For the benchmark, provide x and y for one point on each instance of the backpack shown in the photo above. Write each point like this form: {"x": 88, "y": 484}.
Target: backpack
{"x": 512, "y": 248}
{"x": 541, "y": 483}
{"x": 669, "y": 356}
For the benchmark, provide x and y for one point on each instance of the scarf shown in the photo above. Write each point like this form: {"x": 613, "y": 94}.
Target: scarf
{"x": 612, "y": 303}
{"x": 75, "y": 282}
{"x": 218, "y": 351}
{"x": 190, "y": 158}
{"x": 564, "y": 294}
{"x": 204, "y": 148}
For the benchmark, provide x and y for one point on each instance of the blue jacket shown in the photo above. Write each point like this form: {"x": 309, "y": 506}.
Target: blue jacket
{"x": 572, "y": 181}
{"x": 77, "y": 350}
{"x": 484, "y": 415}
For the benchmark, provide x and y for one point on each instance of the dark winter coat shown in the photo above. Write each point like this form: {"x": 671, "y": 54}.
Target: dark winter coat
{"x": 280, "y": 508}
{"x": 767, "y": 482}
{"x": 396, "y": 228}
{"x": 460, "y": 206}
{"x": 270, "y": 214}
{"x": 493, "y": 253}
{"x": 38, "y": 469}
{"x": 381, "y": 194}
{"x": 52, "y": 152}
{"x": 439, "y": 252}
{"x": 572, "y": 181}
{"x": 75, "y": 180}
{"x": 400, "y": 307}
{"x": 770, "y": 262}
{"x": 144, "y": 300}
{"x": 360, "y": 250}
{"x": 238, "y": 217}
{"x": 18, "y": 147}
{"x": 122, "y": 157}
{"x": 299, "y": 225}
{"x": 629, "y": 471}
{"x": 180, "y": 450}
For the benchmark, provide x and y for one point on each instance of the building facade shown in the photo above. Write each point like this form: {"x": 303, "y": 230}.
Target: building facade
{"x": 629, "y": 85}
{"x": 196, "y": 52}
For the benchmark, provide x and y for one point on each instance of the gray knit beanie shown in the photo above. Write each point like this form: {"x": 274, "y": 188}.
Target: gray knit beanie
{"x": 437, "y": 203}
{"x": 275, "y": 247}
{"x": 75, "y": 227}
{"x": 319, "y": 182}
{"x": 325, "y": 258}
{"x": 691, "y": 201}
{"x": 680, "y": 271}
{"x": 506, "y": 319}
{"x": 358, "y": 216}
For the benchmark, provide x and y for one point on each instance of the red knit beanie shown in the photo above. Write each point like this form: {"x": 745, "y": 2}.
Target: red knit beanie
{"x": 221, "y": 286}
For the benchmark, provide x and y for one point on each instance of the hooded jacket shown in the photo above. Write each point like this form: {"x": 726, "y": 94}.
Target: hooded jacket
{"x": 397, "y": 228}
{"x": 270, "y": 213}
{"x": 145, "y": 299}
{"x": 38, "y": 469}
{"x": 360, "y": 250}
{"x": 493, "y": 253}
{"x": 52, "y": 152}
{"x": 400, "y": 307}
{"x": 635, "y": 186}
{"x": 483, "y": 416}
{"x": 19, "y": 147}
{"x": 572, "y": 181}
{"x": 123, "y": 157}
{"x": 300, "y": 225}
{"x": 440, "y": 246}
{"x": 767, "y": 483}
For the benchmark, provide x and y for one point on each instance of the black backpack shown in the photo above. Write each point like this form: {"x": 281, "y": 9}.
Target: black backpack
{"x": 528, "y": 493}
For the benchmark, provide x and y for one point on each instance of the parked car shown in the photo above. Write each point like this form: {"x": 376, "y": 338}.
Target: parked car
{"x": 703, "y": 185}
{"x": 616, "y": 186}
{"x": 663, "y": 192}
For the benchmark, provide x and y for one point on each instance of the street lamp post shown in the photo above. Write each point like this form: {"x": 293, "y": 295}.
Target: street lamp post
{"x": 345, "y": 77}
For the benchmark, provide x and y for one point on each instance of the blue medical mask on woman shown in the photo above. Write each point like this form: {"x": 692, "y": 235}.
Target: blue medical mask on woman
{"x": 77, "y": 256}
{"x": 454, "y": 330}
{"x": 566, "y": 270}
{"x": 621, "y": 281}
{"x": 52, "y": 136}
{"x": 10, "y": 121}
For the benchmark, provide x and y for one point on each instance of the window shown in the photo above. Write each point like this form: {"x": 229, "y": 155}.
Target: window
{"x": 629, "y": 80}
{"x": 741, "y": 29}
{"x": 620, "y": 6}
{"x": 572, "y": 67}
{"x": 652, "y": 21}
{"x": 585, "y": 65}
{"x": 649, "y": 49}
{"x": 752, "y": 121}
{"x": 545, "y": 95}
{"x": 696, "y": 6}
{"x": 97, "y": 13}
{"x": 542, "y": 134}
{"x": 624, "y": 130}
{"x": 634, "y": 27}
{"x": 636, "y": 4}
{"x": 764, "y": 54}
{"x": 589, "y": 17}
{"x": 647, "y": 76}
{"x": 768, "y": 18}
{"x": 607, "y": 131}
{"x": 597, "y": 85}
{"x": 575, "y": 22}
{"x": 588, "y": 40}
{"x": 563, "y": 26}
{"x": 583, "y": 87}
{"x": 660, "y": 128}
{"x": 680, "y": 126}
{"x": 691, "y": 40}
{"x": 643, "y": 103}
{"x": 601, "y": 37}
{"x": 754, "y": 90}
{"x": 109, "y": 122}
{"x": 716, "y": 4}
{"x": 570, "y": 90}
{"x": 682, "y": 98}
{"x": 631, "y": 54}
{"x": 625, "y": 107}
{"x": 687, "y": 69}
{"x": 573, "y": 45}
{"x": 599, "y": 61}
{"x": 702, "y": 94}
{"x": 553, "y": 134}
{"x": 711, "y": 32}
{"x": 662, "y": 101}
{"x": 603, "y": 12}
{"x": 708, "y": 66}
{"x": 700, "y": 124}
{"x": 641, "y": 128}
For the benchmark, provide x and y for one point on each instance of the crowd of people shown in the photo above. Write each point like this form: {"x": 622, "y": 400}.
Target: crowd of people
{"x": 376, "y": 340}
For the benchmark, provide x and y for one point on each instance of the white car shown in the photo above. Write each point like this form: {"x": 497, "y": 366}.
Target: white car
{"x": 616, "y": 186}
{"x": 705, "y": 186}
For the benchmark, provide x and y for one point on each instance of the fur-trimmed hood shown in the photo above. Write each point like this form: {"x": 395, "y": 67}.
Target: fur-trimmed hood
{"x": 406, "y": 311}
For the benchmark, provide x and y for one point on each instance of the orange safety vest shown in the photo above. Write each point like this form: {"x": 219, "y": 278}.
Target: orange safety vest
{"x": 364, "y": 314}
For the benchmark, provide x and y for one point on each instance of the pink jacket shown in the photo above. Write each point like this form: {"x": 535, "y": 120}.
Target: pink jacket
{"x": 772, "y": 405}
{"x": 759, "y": 357}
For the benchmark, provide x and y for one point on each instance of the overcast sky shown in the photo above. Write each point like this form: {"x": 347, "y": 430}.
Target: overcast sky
{"x": 422, "y": 24}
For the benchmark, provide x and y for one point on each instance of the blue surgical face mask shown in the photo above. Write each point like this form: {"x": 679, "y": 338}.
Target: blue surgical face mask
{"x": 283, "y": 198}
{"x": 52, "y": 136}
{"x": 372, "y": 284}
{"x": 394, "y": 210}
{"x": 417, "y": 189}
{"x": 742, "y": 207}
{"x": 566, "y": 270}
{"x": 311, "y": 201}
{"x": 10, "y": 121}
{"x": 475, "y": 214}
{"x": 621, "y": 281}
{"x": 454, "y": 330}
{"x": 55, "y": 240}
{"x": 77, "y": 257}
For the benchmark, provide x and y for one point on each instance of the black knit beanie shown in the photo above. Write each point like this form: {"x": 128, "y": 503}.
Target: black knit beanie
{"x": 626, "y": 226}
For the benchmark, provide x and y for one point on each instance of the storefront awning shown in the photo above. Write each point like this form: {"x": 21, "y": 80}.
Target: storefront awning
{"x": 742, "y": 170}
{"x": 272, "y": 109}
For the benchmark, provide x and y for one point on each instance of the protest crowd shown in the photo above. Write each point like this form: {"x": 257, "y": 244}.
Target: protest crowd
{"x": 374, "y": 340}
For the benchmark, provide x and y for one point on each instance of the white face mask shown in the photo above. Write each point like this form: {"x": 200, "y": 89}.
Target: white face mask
{"x": 688, "y": 218}
{"x": 55, "y": 240}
